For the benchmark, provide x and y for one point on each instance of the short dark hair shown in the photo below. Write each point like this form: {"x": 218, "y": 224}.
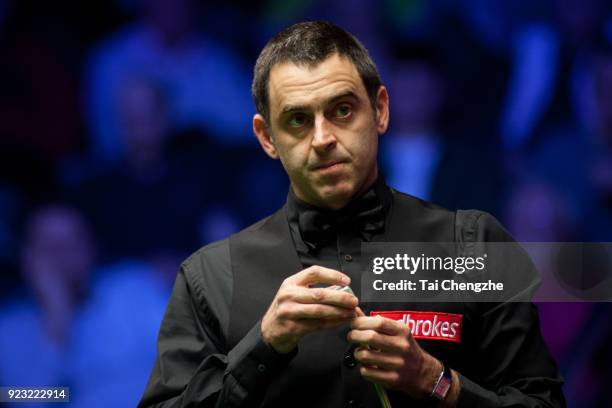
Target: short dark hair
{"x": 310, "y": 43}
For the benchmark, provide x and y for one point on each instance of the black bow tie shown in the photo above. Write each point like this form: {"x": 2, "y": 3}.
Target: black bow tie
{"x": 364, "y": 216}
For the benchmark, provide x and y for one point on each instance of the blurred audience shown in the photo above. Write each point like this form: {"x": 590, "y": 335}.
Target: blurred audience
{"x": 535, "y": 212}
{"x": 151, "y": 202}
{"x": 206, "y": 85}
{"x": 601, "y": 170}
{"x": 551, "y": 76}
{"x": 78, "y": 325}
{"x": 578, "y": 334}
{"x": 421, "y": 155}
{"x": 577, "y": 161}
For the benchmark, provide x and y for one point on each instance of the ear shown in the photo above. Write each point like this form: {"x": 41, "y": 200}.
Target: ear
{"x": 264, "y": 136}
{"x": 382, "y": 110}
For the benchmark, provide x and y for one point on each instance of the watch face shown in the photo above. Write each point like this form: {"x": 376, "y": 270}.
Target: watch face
{"x": 442, "y": 388}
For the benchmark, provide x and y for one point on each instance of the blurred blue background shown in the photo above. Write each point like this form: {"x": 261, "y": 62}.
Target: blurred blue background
{"x": 125, "y": 145}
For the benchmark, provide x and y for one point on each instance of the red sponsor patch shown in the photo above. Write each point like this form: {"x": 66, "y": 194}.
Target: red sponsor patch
{"x": 428, "y": 325}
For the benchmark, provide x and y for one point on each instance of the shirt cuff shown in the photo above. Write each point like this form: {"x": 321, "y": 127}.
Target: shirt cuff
{"x": 472, "y": 394}
{"x": 253, "y": 363}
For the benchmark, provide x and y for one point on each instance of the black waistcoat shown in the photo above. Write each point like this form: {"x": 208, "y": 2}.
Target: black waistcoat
{"x": 264, "y": 255}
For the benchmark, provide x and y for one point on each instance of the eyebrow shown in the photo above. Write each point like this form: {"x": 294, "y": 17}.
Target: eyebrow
{"x": 343, "y": 94}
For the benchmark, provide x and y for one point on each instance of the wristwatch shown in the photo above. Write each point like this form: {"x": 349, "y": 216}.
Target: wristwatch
{"x": 445, "y": 380}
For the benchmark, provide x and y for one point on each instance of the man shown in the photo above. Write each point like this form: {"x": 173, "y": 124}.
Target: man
{"x": 251, "y": 321}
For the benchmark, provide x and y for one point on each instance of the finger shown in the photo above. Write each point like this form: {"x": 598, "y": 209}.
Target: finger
{"x": 295, "y": 311}
{"x": 380, "y": 359}
{"x": 322, "y": 296}
{"x": 306, "y": 326}
{"x": 319, "y": 274}
{"x": 373, "y": 339}
{"x": 384, "y": 377}
{"x": 360, "y": 312}
{"x": 300, "y": 327}
{"x": 325, "y": 323}
{"x": 379, "y": 324}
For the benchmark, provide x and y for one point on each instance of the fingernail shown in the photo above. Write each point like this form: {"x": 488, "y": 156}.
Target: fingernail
{"x": 346, "y": 280}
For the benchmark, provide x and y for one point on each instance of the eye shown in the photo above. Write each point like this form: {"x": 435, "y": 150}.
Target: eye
{"x": 343, "y": 111}
{"x": 298, "y": 119}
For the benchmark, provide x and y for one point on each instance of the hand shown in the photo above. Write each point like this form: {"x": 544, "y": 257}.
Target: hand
{"x": 298, "y": 309}
{"x": 390, "y": 356}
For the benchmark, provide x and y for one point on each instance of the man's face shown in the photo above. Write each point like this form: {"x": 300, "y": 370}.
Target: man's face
{"x": 323, "y": 129}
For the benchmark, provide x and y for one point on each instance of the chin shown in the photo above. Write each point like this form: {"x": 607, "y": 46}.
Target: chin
{"x": 337, "y": 196}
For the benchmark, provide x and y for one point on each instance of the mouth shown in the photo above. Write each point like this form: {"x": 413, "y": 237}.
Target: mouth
{"x": 329, "y": 166}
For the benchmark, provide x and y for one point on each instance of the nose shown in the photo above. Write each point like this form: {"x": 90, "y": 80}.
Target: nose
{"x": 323, "y": 139}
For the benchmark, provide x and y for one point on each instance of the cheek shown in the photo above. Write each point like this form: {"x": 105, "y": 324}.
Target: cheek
{"x": 293, "y": 158}
{"x": 365, "y": 148}
{"x": 367, "y": 158}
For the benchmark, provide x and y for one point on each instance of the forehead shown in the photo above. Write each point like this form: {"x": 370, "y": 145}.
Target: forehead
{"x": 302, "y": 85}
